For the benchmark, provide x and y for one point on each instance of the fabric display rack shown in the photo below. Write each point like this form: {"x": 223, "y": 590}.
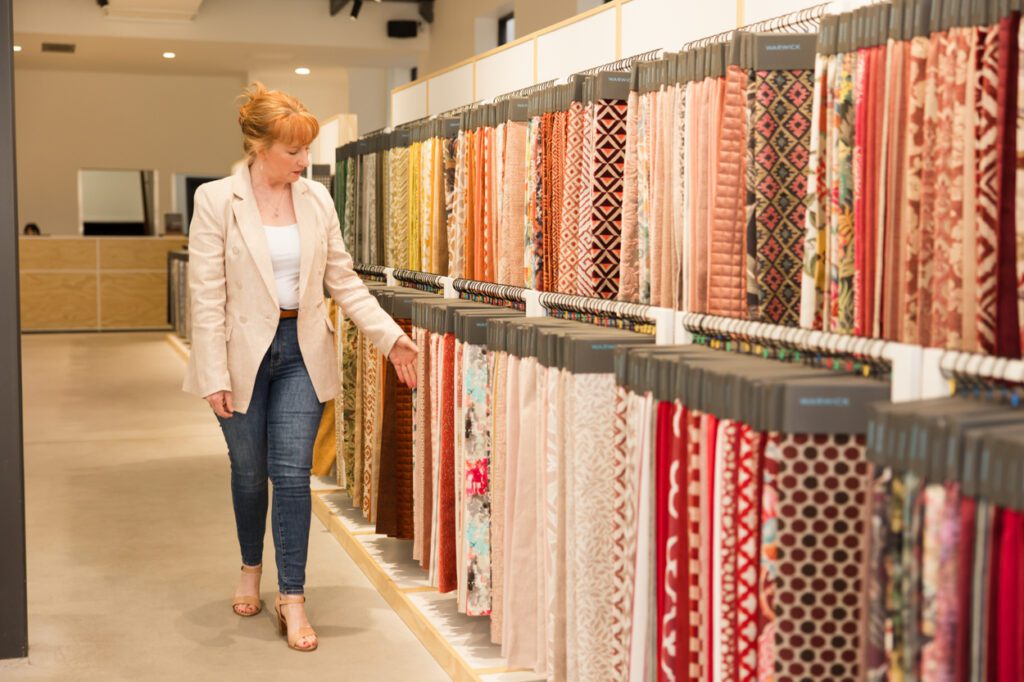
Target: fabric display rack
{"x": 721, "y": 508}
{"x": 718, "y": 374}
{"x": 179, "y": 310}
{"x": 865, "y": 183}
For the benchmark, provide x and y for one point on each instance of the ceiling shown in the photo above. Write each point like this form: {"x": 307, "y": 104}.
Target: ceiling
{"x": 224, "y": 37}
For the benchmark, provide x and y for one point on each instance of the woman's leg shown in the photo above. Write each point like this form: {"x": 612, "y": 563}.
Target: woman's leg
{"x": 293, "y": 417}
{"x": 246, "y": 436}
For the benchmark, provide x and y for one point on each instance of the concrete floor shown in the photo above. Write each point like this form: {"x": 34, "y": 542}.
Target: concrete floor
{"x": 132, "y": 558}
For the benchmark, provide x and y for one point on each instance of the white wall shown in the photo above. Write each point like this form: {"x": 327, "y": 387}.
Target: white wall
{"x": 112, "y": 196}
{"x": 459, "y": 27}
{"x": 324, "y": 92}
{"x": 369, "y": 93}
{"x": 67, "y": 121}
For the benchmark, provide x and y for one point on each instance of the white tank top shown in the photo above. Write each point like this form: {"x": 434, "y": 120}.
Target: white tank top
{"x": 283, "y": 241}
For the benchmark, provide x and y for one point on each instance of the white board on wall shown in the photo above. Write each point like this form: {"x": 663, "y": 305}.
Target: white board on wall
{"x": 409, "y": 104}
{"x": 450, "y": 90}
{"x": 505, "y": 71}
{"x": 576, "y": 47}
{"x": 669, "y": 24}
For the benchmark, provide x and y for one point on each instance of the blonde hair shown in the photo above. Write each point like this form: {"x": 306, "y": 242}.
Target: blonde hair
{"x": 269, "y": 116}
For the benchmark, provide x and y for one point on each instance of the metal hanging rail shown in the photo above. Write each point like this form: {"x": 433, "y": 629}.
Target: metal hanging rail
{"x": 905, "y": 363}
{"x": 805, "y": 20}
{"x": 790, "y": 338}
{"x": 501, "y": 292}
{"x": 525, "y": 92}
{"x": 623, "y": 64}
{"x": 633, "y": 312}
{"x": 418, "y": 278}
{"x": 961, "y": 366}
{"x": 458, "y": 110}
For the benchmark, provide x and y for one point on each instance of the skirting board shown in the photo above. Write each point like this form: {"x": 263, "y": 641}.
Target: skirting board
{"x": 179, "y": 345}
{"x": 412, "y": 601}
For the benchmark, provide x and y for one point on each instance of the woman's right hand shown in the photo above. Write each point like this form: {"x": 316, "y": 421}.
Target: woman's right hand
{"x": 221, "y": 404}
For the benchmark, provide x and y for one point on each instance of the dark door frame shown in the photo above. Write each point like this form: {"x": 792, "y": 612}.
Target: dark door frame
{"x": 13, "y": 605}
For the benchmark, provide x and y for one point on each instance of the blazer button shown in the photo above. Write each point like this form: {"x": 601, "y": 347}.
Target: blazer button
{"x": 234, "y": 250}
{"x": 243, "y": 319}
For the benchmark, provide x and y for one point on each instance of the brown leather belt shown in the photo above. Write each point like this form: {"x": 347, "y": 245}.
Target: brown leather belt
{"x": 288, "y": 314}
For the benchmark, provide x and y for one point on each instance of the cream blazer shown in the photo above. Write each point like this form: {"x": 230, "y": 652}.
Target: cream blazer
{"x": 235, "y": 312}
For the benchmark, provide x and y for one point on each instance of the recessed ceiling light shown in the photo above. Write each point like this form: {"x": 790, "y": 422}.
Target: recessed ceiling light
{"x": 302, "y": 71}
{"x": 17, "y": 48}
{"x": 169, "y": 55}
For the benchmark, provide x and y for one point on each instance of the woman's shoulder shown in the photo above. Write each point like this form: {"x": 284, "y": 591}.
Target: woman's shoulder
{"x": 216, "y": 188}
{"x": 316, "y": 188}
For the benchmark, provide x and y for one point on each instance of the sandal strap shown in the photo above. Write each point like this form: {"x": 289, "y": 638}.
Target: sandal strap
{"x": 248, "y": 600}
{"x": 252, "y": 570}
{"x": 291, "y": 599}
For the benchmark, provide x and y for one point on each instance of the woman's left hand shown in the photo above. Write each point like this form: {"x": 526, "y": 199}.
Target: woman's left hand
{"x": 403, "y": 357}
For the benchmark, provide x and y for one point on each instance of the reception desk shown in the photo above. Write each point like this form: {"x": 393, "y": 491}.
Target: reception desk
{"x": 95, "y": 283}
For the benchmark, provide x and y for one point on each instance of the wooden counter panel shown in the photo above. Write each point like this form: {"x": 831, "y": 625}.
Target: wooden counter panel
{"x": 45, "y": 253}
{"x": 58, "y": 301}
{"x": 138, "y": 254}
{"x": 133, "y": 300}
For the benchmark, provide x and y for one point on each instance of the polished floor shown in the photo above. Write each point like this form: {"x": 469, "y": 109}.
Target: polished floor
{"x": 131, "y": 550}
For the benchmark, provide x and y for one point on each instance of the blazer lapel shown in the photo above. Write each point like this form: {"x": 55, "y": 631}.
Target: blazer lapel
{"x": 306, "y": 218}
{"x": 247, "y": 213}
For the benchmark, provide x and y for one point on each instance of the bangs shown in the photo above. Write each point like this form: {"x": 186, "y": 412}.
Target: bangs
{"x": 297, "y": 130}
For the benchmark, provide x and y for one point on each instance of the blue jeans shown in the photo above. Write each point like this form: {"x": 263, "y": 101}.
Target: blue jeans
{"x": 275, "y": 438}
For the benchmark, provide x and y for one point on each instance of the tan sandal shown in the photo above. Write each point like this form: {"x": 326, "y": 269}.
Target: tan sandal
{"x": 282, "y": 623}
{"x": 252, "y": 600}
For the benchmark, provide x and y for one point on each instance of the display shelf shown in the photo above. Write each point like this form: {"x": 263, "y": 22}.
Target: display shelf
{"x": 460, "y": 644}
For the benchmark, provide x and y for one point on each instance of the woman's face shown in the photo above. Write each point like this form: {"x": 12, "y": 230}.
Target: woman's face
{"x": 284, "y": 162}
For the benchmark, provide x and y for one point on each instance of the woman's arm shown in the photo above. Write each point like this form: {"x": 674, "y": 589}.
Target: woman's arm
{"x": 207, "y": 285}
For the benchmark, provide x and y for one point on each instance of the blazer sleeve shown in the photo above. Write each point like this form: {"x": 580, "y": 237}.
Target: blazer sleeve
{"x": 348, "y": 290}
{"x": 207, "y": 284}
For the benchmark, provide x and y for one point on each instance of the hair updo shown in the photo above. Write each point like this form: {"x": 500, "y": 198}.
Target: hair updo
{"x": 269, "y": 116}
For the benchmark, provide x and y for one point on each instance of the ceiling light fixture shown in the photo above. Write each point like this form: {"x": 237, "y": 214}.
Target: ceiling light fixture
{"x": 17, "y": 48}
{"x": 302, "y": 71}
{"x": 169, "y": 55}
{"x": 356, "y": 6}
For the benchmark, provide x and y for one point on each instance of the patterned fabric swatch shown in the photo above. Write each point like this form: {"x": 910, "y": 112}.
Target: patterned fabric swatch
{"x": 346, "y": 404}
{"x": 510, "y": 228}
{"x": 606, "y": 211}
{"x": 780, "y": 129}
{"x": 476, "y": 482}
{"x": 398, "y": 242}
{"x": 819, "y": 538}
{"x": 498, "y": 481}
{"x": 813, "y": 287}
{"x": 726, "y": 283}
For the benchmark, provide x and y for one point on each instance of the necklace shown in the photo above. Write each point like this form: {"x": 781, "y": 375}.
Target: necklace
{"x": 275, "y": 207}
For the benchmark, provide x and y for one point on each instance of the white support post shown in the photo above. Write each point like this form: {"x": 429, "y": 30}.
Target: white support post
{"x": 449, "y": 287}
{"x": 533, "y": 307}
{"x": 389, "y": 273}
{"x": 665, "y": 326}
{"x": 907, "y": 370}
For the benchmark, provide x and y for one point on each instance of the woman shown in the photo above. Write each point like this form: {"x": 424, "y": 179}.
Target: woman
{"x": 264, "y": 244}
